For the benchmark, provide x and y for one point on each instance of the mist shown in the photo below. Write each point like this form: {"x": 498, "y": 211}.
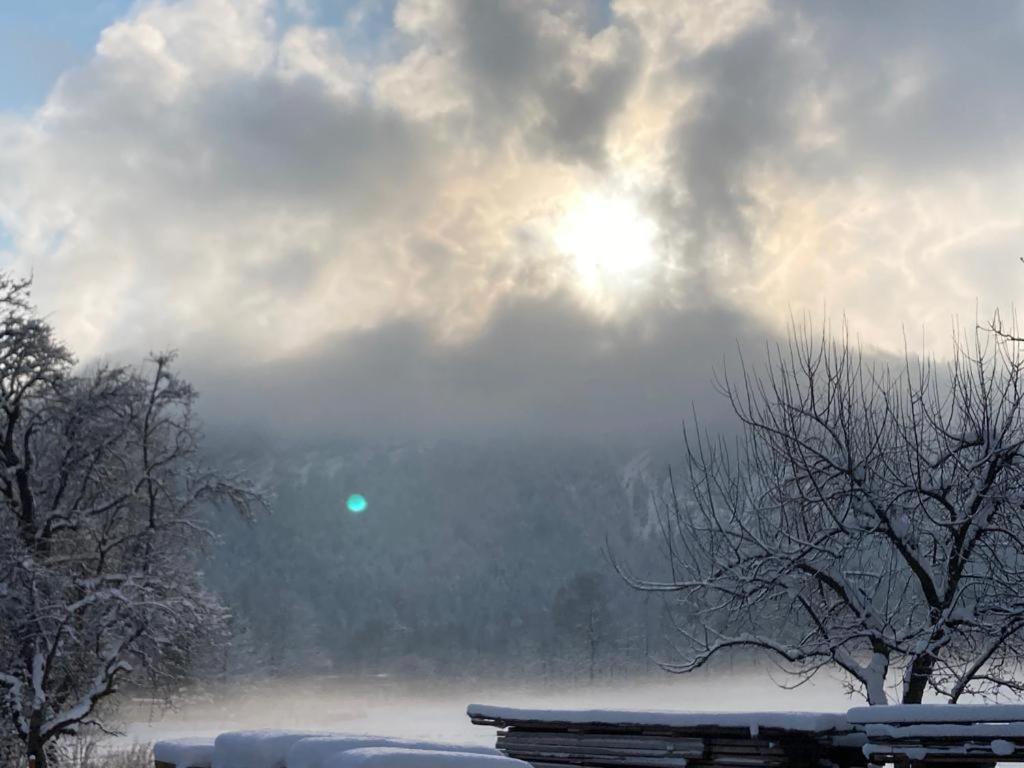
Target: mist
{"x": 437, "y": 711}
{"x": 538, "y": 369}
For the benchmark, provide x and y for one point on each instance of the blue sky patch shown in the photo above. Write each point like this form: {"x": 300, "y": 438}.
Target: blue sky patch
{"x": 43, "y": 38}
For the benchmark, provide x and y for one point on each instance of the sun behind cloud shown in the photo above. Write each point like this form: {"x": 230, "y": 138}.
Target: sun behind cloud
{"x": 611, "y": 243}
{"x": 332, "y": 178}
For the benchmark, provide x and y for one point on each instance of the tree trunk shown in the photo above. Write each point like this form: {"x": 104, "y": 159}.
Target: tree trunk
{"x": 592, "y": 640}
{"x": 917, "y": 678}
{"x": 36, "y": 750}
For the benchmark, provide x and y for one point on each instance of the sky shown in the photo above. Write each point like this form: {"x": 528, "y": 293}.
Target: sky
{"x": 464, "y": 216}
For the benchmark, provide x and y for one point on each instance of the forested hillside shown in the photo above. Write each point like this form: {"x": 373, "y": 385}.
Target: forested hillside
{"x": 469, "y": 559}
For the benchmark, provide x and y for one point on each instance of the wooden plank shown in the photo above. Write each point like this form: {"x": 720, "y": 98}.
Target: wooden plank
{"x": 597, "y": 752}
{"x": 610, "y": 746}
{"x": 524, "y": 744}
{"x": 601, "y": 760}
{"x": 604, "y": 747}
{"x": 545, "y": 753}
{"x": 630, "y": 741}
{"x": 612, "y": 729}
{"x": 945, "y": 745}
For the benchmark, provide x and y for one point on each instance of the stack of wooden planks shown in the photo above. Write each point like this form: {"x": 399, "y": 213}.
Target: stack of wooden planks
{"x": 942, "y": 734}
{"x": 619, "y": 739}
{"x": 600, "y": 749}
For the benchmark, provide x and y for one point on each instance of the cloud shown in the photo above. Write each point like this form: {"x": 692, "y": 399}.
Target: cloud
{"x": 372, "y": 198}
{"x": 540, "y": 368}
{"x": 921, "y": 87}
{"x": 745, "y": 112}
{"x": 545, "y": 64}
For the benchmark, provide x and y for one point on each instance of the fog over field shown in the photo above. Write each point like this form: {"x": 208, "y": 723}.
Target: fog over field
{"x": 437, "y": 711}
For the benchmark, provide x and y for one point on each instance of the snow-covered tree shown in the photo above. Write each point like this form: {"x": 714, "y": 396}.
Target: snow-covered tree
{"x": 869, "y": 516}
{"x": 101, "y": 497}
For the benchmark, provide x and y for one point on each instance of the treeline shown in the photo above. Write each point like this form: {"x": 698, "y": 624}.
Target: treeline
{"x": 471, "y": 559}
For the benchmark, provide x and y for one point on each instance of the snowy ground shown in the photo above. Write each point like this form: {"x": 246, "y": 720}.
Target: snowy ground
{"x": 388, "y": 707}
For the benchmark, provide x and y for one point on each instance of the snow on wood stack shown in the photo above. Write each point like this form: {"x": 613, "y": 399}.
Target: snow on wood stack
{"x": 616, "y": 739}
{"x": 942, "y": 733}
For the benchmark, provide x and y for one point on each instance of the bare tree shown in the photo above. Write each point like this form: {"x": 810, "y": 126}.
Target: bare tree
{"x": 868, "y": 517}
{"x": 581, "y": 614}
{"x": 101, "y": 498}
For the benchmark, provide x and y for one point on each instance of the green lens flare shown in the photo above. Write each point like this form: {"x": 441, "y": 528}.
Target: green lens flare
{"x": 356, "y": 503}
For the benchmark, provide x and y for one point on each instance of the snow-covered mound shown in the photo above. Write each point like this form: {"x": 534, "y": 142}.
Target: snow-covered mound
{"x": 256, "y": 749}
{"x": 393, "y": 757}
{"x": 314, "y": 752}
{"x": 184, "y": 753}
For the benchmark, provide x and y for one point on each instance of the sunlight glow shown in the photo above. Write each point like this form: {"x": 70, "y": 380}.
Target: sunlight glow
{"x": 611, "y": 243}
